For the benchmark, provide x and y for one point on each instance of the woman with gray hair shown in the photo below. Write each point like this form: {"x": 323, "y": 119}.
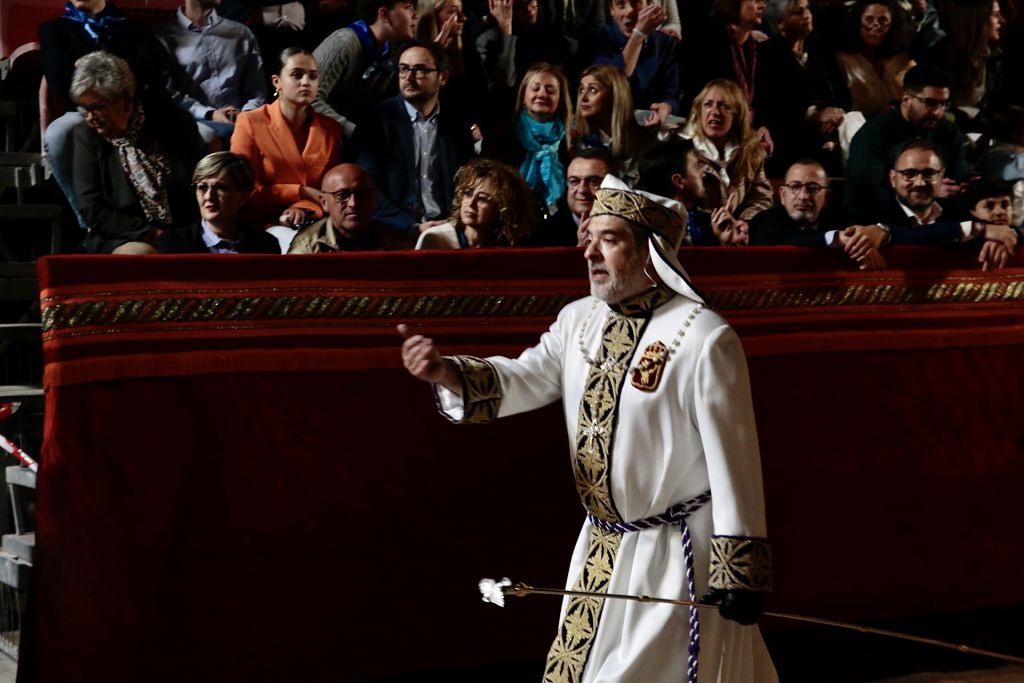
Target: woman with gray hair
{"x": 132, "y": 161}
{"x": 222, "y": 182}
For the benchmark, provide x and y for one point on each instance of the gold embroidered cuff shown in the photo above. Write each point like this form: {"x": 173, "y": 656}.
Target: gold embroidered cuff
{"x": 481, "y": 388}
{"x": 739, "y": 562}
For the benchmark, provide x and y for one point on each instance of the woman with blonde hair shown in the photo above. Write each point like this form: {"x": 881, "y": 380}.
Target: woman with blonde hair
{"x": 733, "y": 155}
{"x": 492, "y": 207}
{"x": 543, "y": 113}
{"x": 605, "y": 119}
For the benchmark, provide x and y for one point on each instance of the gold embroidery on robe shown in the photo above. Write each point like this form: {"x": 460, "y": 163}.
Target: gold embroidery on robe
{"x": 740, "y": 562}
{"x": 481, "y": 389}
{"x": 591, "y": 463}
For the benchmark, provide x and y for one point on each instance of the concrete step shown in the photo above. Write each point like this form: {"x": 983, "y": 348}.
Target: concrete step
{"x": 14, "y": 570}
{"x": 20, "y": 476}
{"x": 21, "y": 546}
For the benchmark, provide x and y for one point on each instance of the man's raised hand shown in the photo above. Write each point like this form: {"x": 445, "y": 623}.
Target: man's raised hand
{"x": 423, "y": 361}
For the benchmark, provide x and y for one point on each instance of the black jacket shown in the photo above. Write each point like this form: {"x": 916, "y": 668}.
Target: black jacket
{"x": 189, "y": 240}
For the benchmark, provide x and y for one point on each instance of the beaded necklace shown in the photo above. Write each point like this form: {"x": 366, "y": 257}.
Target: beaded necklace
{"x": 608, "y": 364}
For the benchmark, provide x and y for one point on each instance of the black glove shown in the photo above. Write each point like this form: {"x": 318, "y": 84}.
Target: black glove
{"x": 741, "y": 606}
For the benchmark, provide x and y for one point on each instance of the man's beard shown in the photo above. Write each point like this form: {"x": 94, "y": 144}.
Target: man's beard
{"x": 917, "y": 201}
{"x": 805, "y": 219}
{"x": 622, "y": 285}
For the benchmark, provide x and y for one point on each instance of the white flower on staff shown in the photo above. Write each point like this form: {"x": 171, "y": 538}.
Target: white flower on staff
{"x": 494, "y": 591}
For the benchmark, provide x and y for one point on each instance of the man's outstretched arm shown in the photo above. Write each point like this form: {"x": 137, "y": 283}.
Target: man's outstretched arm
{"x": 424, "y": 362}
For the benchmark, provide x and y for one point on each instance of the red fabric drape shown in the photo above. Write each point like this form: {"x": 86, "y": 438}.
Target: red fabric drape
{"x": 238, "y": 481}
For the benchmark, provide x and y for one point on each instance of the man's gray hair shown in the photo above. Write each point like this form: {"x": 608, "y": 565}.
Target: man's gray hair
{"x": 105, "y": 74}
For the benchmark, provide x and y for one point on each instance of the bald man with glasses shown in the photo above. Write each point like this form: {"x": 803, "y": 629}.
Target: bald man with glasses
{"x": 349, "y": 199}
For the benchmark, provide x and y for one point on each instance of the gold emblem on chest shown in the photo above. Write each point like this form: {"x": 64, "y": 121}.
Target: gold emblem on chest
{"x": 647, "y": 372}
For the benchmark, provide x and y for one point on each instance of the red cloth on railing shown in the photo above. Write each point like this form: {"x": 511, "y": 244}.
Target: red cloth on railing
{"x": 239, "y": 482}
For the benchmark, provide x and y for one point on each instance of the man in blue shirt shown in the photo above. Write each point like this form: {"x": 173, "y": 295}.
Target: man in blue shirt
{"x": 218, "y": 68}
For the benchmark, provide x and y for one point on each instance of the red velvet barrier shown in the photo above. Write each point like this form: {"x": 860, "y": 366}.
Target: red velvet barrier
{"x": 239, "y": 482}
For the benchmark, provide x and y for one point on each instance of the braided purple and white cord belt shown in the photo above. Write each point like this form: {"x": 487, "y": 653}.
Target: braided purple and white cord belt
{"x": 675, "y": 515}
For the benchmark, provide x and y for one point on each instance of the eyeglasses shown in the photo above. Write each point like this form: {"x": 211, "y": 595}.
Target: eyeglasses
{"x": 344, "y": 196}
{"x": 590, "y": 180}
{"x": 95, "y": 108}
{"x": 932, "y": 103}
{"x": 213, "y": 188}
{"x": 418, "y": 71}
{"x": 812, "y": 188}
{"x": 881, "y": 22}
{"x": 927, "y": 174}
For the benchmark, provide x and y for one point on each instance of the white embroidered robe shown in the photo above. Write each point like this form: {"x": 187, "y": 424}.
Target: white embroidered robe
{"x": 695, "y": 432}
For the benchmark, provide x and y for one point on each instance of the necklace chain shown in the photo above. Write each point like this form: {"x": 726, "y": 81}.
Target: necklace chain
{"x": 607, "y": 365}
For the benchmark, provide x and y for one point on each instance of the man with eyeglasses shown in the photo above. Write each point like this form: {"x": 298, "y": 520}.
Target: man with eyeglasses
{"x": 583, "y": 176}
{"x": 800, "y": 218}
{"x": 349, "y": 198}
{"x": 920, "y": 114}
{"x": 914, "y": 215}
{"x": 412, "y": 146}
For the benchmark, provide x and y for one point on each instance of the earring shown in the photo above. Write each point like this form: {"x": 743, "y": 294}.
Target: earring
{"x": 654, "y": 283}
{"x": 276, "y": 92}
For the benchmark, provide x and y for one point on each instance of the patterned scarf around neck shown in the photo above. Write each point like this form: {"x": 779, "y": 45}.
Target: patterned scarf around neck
{"x": 92, "y": 25}
{"x": 542, "y": 169}
{"x": 147, "y": 171}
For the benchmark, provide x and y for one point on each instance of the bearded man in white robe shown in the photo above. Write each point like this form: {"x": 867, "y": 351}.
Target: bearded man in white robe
{"x": 664, "y": 450}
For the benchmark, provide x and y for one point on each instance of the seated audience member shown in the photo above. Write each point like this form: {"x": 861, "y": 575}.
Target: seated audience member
{"x": 349, "y": 198}
{"x": 648, "y": 57}
{"x": 543, "y": 113}
{"x": 223, "y": 182}
{"x": 289, "y": 145}
{"x": 472, "y": 82}
{"x": 874, "y": 55}
{"x": 355, "y": 61}
{"x": 919, "y": 115}
{"x": 719, "y": 126}
{"x": 675, "y": 170}
{"x": 604, "y": 119}
{"x": 583, "y": 177}
{"x": 574, "y": 20}
{"x": 799, "y": 90}
{"x": 218, "y": 71}
{"x": 800, "y": 218}
{"x": 493, "y": 207}
{"x": 971, "y": 55}
{"x": 87, "y": 26}
{"x": 991, "y": 201}
{"x": 728, "y": 49}
{"x": 913, "y": 214}
{"x": 528, "y": 41}
{"x": 132, "y": 161}
{"x": 413, "y": 145}
{"x": 1005, "y": 157}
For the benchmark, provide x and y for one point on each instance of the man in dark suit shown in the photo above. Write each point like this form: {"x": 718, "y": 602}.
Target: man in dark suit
{"x": 913, "y": 214}
{"x": 800, "y": 218}
{"x": 413, "y": 149}
{"x": 584, "y": 175}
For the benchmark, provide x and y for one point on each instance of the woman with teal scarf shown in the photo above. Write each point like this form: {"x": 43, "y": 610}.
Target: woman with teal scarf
{"x": 543, "y": 111}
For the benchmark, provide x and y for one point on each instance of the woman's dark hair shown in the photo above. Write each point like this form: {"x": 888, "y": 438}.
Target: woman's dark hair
{"x": 896, "y": 40}
{"x": 287, "y": 54}
{"x": 966, "y": 47}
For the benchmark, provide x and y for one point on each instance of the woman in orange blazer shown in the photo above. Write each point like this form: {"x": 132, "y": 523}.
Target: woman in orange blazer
{"x": 290, "y": 146}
